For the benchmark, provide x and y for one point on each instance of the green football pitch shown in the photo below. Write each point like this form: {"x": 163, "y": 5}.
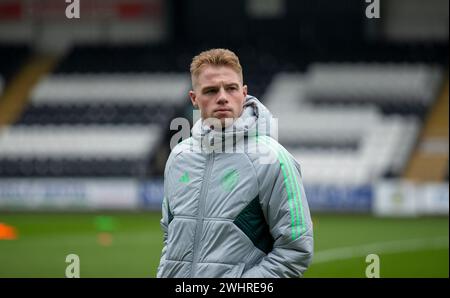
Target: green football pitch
{"x": 129, "y": 245}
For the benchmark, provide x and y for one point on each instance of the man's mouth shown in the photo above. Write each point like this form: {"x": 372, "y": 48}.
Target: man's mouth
{"x": 223, "y": 110}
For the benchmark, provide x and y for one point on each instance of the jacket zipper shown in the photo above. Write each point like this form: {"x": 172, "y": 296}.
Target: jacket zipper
{"x": 201, "y": 207}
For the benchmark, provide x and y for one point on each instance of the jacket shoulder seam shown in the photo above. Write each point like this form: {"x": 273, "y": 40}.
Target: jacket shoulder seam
{"x": 177, "y": 150}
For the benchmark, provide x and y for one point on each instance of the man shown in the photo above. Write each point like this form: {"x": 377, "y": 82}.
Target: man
{"x": 230, "y": 213}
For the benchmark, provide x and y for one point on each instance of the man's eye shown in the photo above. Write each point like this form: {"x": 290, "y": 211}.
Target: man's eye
{"x": 232, "y": 88}
{"x": 211, "y": 91}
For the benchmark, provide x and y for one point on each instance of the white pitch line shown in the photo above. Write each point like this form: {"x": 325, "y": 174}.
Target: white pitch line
{"x": 349, "y": 252}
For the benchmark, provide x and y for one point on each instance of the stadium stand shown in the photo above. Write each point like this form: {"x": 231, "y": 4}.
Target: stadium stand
{"x": 430, "y": 158}
{"x": 79, "y": 118}
{"x": 364, "y": 119}
{"x": 106, "y": 99}
{"x": 76, "y": 150}
{"x": 351, "y": 119}
{"x": 395, "y": 89}
{"x": 94, "y": 122}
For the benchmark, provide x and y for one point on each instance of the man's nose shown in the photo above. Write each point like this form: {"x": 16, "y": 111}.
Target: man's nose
{"x": 222, "y": 96}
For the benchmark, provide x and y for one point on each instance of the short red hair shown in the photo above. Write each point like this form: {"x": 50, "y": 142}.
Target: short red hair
{"x": 215, "y": 57}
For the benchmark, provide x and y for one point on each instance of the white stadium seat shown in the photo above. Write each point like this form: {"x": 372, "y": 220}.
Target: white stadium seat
{"x": 78, "y": 141}
{"x": 107, "y": 88}
{"x": 384, "y": 142}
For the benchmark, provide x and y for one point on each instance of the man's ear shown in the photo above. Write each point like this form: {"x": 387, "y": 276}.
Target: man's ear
{"x": 244, "y": 90}
{"x": 193, "y": 98}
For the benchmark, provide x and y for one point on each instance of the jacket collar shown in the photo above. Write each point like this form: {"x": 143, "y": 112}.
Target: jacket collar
{"x": 254, "y": 120}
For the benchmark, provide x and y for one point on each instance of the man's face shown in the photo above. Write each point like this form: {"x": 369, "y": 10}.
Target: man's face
{"x": 218, "y": 93}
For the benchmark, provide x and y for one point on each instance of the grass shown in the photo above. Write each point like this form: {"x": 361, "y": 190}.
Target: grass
{"x": 44, "y": 240}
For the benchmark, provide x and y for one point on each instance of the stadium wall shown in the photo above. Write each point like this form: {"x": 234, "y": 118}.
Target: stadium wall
{"x": 383, "y": 198}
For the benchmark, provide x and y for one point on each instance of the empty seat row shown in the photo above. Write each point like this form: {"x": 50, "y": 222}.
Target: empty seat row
{"x": 72, "y": 167}
{"x": 78, "y": 141}
{"x": 120, "y": 88}
{"x": 96, "y": 114}
{"x": 383, "y": 148}
{"x": 373, "y": 82}
{"x": 383, "y": 132}
{"x": 326, "y": 124}
{"x": 124, "y": 58}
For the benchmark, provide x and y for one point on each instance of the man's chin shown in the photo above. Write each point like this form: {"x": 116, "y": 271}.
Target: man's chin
{"x": 219, "y": 121}
{"x": 225, "y": 118}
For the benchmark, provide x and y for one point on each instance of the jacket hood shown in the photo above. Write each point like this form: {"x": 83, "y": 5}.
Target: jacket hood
{"x": 255, "y": 119}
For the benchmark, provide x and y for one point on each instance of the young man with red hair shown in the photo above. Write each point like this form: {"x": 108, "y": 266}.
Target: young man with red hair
{"x": 231, "y": 213}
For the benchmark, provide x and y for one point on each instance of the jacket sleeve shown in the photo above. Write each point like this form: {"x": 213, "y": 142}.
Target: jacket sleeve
{"x": 286, "y": 210}
{"x": 166, "y": 214}
{"x": 164, "y": 225}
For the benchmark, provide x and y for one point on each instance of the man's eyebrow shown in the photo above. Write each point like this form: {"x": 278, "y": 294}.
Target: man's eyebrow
{"x": 232, "y": 85}
{"x": 208, "y": 88}
{"x": 212, "y": 87}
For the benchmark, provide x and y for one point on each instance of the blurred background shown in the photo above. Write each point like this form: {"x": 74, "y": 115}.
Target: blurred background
{"x": 360, "y": 91}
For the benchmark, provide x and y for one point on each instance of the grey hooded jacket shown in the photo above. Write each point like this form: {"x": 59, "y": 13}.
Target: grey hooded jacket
{"x": 242, "y": 213}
